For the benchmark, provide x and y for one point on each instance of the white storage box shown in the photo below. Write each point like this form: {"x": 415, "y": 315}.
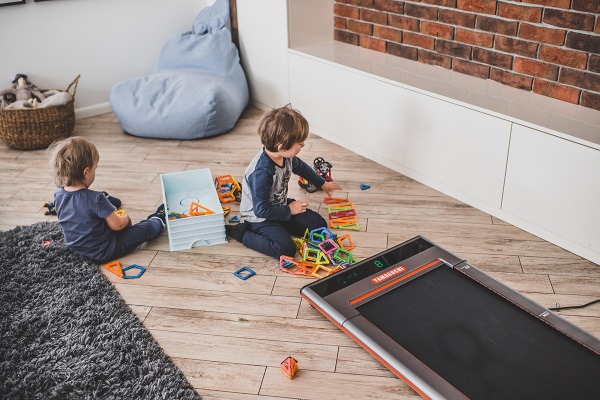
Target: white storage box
{"x": 180, "y": 189}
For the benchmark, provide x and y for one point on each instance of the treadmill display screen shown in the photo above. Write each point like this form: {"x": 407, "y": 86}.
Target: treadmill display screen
{"x": 370, "y": 266}
{"x": 480, "y": 343}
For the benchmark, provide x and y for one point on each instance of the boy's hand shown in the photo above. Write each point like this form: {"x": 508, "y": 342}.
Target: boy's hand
{"x": 118, "y": 222}
{"x": 329, "y": 186}
{"x": 298, "y": 206}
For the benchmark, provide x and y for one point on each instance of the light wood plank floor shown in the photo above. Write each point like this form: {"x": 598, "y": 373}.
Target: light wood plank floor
{"x": 229, "y": 336}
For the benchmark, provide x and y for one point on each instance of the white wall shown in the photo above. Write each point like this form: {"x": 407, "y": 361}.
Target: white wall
{"x": 105, "y": 41}
{"x": 262, "y": 27}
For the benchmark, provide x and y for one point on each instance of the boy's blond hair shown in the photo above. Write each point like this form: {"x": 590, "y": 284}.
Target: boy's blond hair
{"x": 69, "y": 158}
{"x": 282, "y": 126}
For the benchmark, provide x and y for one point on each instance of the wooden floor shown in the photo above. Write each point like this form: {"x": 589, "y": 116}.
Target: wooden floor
{"x": 229, "y": 336}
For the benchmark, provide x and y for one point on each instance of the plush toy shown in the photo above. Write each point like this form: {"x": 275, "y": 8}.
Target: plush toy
{"x": 22, "y": 89}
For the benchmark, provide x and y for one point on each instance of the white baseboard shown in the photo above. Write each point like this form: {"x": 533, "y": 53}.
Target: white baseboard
{"x": 92, "y": 111}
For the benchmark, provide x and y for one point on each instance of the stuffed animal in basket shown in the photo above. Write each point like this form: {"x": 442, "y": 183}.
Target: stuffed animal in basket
{"x": 22, "y": 90}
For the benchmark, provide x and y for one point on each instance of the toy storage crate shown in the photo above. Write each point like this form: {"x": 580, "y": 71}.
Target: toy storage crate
{"x": 180, "y": 189}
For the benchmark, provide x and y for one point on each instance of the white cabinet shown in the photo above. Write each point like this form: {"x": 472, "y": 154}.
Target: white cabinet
{"x": 554, "y": 184}
{"x": 335, "y": 101}
{"x": 457, "y": 147}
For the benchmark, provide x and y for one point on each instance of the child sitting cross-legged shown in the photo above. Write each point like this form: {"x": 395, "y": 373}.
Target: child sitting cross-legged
{"x": 89, "y": 220}
{"x": 270, "y": 217}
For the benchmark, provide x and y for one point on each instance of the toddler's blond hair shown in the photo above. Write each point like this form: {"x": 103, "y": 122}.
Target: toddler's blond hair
{"x": 70, "y": 157}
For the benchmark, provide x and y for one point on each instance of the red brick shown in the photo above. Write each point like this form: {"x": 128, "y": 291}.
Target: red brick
{"x": 422, "y": 41}
{"x": 594, "y": 65}
{"x": 360, "y": 27}
{"x": 510, "y": 79}
{"x": 516, "y": 46}
{"x": 553, "y": 89}
{"x": 478, "y": 6}
{"x": 375, "y": 17}
{"x": 402, "y": 51}
{"x": 373, "y": 44}
{"x": 346, "y": 37}
{"x": 496, "y": 25}
{"x": 392, "y": 6}
{"x": 552, "y": 3}
{"x": 457, "y": 18}
{"x": 581, "y": 79}
{"x": 421, "y": 12}
{"x": 472, "y": 37}
{"x": 541, "y": 34}
{"x": 586, "y": 5}
{"x": 342, "y": 10}
{"x": 361, "y": 3}
{"x": 339, "y": 23}
{"x": 519, "y": 12}
{"x": 428, "y": 57}
{"x": 454, "y": 49}
{"x": 559, "y": 55}
{"x": 569, "y": 20}
{"x": 387, "y": 33}
{"x": 438, "y": 30}
{"x": 597, "y": 29}
{"x": 445, "y": 3}
{"x": 583, "y": 42}
{"x": 471, "y": 68}
{"x": 590, "y": 100}
{"x": 408, "y": 24}
{"x": 494, "y": 58}
{"x": 535, "y": 68}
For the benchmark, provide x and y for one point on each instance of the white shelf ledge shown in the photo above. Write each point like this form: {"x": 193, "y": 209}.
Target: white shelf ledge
{"x": 568, "y": 121}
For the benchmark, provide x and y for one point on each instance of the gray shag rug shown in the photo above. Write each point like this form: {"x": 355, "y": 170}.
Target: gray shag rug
{"x": 65, "y": 332}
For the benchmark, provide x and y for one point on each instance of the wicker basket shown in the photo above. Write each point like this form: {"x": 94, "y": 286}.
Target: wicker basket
{"x": 37, "y": 128}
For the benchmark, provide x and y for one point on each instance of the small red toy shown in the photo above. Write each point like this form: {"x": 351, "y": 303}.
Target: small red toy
{"x": 289, "y": 366}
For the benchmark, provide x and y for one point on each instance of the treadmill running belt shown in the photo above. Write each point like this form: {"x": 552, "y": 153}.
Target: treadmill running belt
{"x": 467, "y": 334}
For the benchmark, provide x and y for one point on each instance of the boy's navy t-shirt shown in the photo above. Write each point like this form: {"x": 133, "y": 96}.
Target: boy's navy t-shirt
{"x": 82, "y": 216}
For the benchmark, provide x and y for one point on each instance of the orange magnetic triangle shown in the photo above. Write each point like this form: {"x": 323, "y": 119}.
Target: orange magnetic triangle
{"x": 115, "y": 268}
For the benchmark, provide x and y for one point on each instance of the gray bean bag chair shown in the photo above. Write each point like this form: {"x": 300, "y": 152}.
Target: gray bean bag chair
{"x": 197, "y": 89}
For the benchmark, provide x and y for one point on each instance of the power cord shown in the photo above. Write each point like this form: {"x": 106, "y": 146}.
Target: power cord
{"x": 558, "y": 307}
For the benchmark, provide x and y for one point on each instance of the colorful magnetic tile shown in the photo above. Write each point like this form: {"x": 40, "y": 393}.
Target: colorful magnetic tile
{"x": 240, "y": 273}
{"x": 340, "y": 207}
{"x": 115, "y": 268}
{"x": 354, "y": 227}
{"x": 289, "y": 366}
{"x": 235, "y": 218}
{"x": 328, "y": 246}
{"x": 342, "y": 255}
{"x": 364, "y": 186}
{"x": 311, "y": 254}
{"x": 341, "y": 239}
{"x": 120, "y": 213}
{"x": 197, "y": 210}
{"x": 336, "y": 222}
{"x": 321, "y": 271}
{"x": 342, "y": 214}
{"x": 133, "y": 266}
{"x": 335, "y": 200}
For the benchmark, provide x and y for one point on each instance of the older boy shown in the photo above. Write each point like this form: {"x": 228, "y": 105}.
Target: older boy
{"x": 270, "y": 217}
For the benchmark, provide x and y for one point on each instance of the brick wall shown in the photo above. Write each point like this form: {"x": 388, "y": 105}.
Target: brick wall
{"x": 549, "y": 46}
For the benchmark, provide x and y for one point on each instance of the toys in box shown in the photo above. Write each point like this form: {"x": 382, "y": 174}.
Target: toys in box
{"x": 192, "y": 190}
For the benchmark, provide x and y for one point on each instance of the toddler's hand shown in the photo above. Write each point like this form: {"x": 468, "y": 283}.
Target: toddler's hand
{"x": 298, "y": 206}
{"x": 329, "y": 186}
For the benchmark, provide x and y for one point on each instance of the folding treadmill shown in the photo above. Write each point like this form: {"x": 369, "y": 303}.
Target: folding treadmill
{"x": 452, "y": 332}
